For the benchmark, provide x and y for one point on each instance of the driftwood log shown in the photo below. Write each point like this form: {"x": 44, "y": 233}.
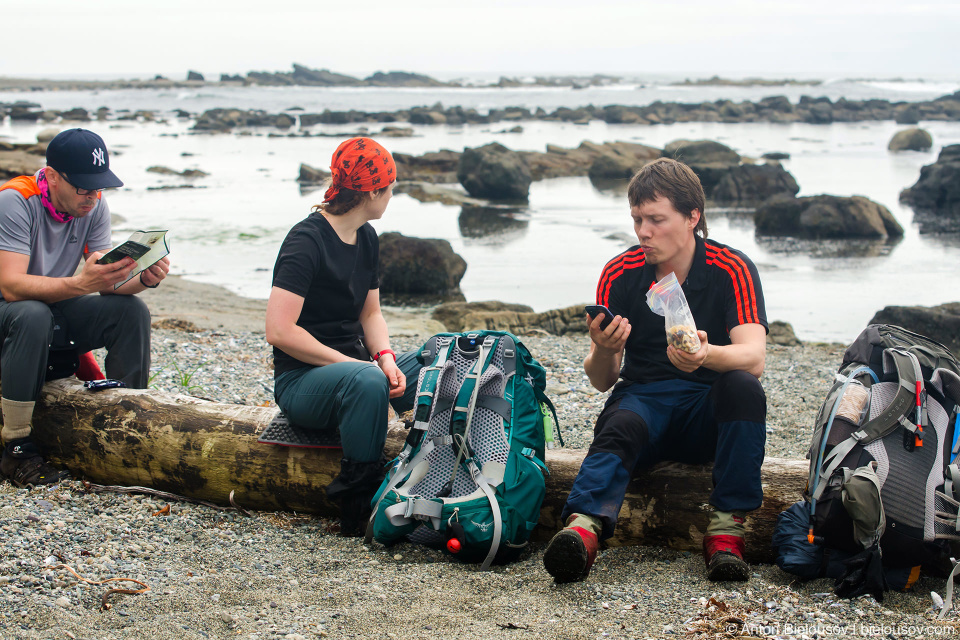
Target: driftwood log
{"x": 205, "y": 450}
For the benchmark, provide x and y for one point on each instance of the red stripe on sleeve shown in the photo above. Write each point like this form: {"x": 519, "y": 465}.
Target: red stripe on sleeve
{"x": 742, "y": 280}
{"x": 750, "y": 291}
{"x": 712, "y": 260}
{"x": 628, "y": 260}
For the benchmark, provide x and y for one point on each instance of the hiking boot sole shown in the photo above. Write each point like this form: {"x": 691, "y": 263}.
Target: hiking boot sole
{"x": 726, "y": 567}
{"x": 566, "y": 557}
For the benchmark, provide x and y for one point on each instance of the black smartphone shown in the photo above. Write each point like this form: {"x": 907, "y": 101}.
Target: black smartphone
{"x": 593, "y": 310}
{"x": 100, "y": 385}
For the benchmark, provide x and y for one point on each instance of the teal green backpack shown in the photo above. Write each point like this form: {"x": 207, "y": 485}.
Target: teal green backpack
{"x": 470, "y": 478}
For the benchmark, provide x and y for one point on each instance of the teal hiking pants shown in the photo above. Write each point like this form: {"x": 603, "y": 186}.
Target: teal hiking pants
{"x": 351, "y": 395}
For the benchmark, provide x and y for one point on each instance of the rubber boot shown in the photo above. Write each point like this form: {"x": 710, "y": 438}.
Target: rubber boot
{"x": 353, "y": 490}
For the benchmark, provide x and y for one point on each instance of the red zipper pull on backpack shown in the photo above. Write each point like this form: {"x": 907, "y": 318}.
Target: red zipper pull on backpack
{"x": 455, "y": 537}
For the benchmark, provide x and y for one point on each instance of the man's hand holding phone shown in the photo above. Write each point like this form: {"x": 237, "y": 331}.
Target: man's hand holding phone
{"x": 608, "y": 331}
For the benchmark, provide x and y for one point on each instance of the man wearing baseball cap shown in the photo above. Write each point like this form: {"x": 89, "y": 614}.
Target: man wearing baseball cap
{"x": 50, "y": 222}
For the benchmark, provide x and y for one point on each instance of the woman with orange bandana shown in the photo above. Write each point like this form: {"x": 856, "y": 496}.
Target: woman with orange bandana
{"x": 333, "y": 362}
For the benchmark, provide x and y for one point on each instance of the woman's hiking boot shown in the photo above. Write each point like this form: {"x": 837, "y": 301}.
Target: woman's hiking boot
{"x": 353, "y": 491}
{"x": 571, "y": 552}
{"x": 723, "y": 547}
{"x": 23, "y": 465}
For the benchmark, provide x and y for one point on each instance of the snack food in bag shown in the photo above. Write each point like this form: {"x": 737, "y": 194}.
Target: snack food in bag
{"x": 666, "y": 298}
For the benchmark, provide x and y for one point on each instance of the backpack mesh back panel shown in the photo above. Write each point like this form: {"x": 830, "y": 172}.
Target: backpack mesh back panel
{"x": 486, "y": 438}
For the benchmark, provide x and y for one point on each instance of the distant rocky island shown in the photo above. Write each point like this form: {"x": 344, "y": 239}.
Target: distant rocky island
{"x": 301, "y": 75}
{"x": 717, "y": 81}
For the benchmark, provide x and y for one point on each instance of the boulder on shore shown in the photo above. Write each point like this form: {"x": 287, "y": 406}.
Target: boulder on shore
{"x": 912, "y": 139}
{"x": 419, "y": 266}
{"x": 726, "y": 179}
{"x": 434, "y": 166}
{"x": 186, "y": 173}
{"x": 782, "y": 333}
{"x": 452, "y": 314}
{"x": 935, "y": 197}
{"x": 754, "y": 183}
{"x": 613, "y": 166}
{"x": 826, "y": 216}
{"x": 17, "y": 161}
{"x": 619, "y": 160}
{"x": 48, "y": 134}
{"x": 77, "y": 114}
{"x": 500, "y": 316}
{"x": 495, "y": 172}
{"x": 695, "y": 152}
{"x": 941, "y": 323}
{"x": 312, "y": 175}
{"x": 906, "y": 114}
{"x": 225, "y": 120}
{"x": 710, "y": 160}
{"x": 194, "y": 76}
{"x": 432, "y": 192}
{"x": 622, "y": 159}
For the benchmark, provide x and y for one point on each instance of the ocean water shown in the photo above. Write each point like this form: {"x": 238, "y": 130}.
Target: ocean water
{"x": 637, "y": 91}
{"x": 227, "y": 228}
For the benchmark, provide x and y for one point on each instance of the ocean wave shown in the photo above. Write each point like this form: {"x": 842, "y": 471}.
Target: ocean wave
{"x": 914, "y": 86}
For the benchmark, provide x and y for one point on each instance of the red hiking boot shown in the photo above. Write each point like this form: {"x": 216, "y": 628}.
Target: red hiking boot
{"x": 724, "y": 557}
{"x": 571, "y": 552}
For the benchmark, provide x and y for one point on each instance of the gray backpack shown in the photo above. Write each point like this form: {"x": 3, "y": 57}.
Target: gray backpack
{"x": 883, "y": 461}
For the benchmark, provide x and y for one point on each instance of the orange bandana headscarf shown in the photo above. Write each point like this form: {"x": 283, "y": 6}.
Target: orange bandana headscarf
{"x": 360, "y": 164}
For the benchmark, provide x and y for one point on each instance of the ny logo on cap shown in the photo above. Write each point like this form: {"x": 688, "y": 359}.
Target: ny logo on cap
{"x": 98, "y": 157}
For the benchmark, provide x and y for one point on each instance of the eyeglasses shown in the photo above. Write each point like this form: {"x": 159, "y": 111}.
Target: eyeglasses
{"x": 80, "y": 192}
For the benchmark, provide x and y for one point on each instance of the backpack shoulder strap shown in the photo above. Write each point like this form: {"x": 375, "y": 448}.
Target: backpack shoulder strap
{"x": 435, "y": 351}
{"x": 466, "y": 400}
{"x": 910, "y": 385}
{"x": 488, "y": 490}
{"x": 509, "y": 355}
{"x": 25, "y": 185}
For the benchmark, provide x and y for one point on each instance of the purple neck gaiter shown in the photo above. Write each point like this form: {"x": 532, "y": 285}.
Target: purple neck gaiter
{"x": 59, "y": 216}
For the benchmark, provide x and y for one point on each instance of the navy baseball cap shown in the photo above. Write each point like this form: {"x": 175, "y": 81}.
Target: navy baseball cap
{"x": 81, "y": 156}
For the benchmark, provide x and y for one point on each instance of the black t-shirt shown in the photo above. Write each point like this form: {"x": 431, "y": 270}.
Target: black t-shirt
{"x": 333, "y": 278}
{"x": 722, "y": 289}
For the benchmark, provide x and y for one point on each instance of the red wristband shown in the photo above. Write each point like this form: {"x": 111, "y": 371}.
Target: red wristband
{"x": 384, "y": 352}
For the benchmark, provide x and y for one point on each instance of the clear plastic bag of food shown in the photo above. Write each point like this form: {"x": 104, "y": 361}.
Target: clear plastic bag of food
{"x": 666, "y": 298}
{"x": 855, "y": 403}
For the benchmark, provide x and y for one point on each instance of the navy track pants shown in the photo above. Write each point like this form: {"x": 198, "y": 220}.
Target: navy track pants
{"x": 680, "y": 421}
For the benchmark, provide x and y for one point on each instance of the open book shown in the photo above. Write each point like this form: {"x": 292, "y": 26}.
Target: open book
{"x": 146, "y": 247}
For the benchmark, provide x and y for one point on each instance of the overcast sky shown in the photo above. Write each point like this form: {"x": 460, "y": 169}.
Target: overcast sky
{"x": 780, "y": 38}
